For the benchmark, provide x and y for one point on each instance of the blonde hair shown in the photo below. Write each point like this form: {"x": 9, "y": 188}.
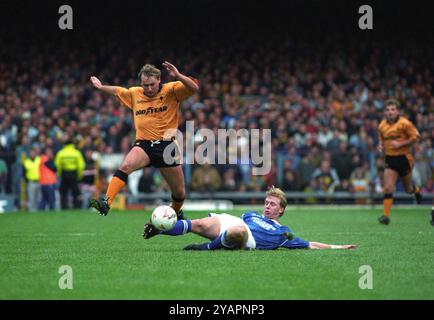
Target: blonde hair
{"x": 149, "y": 70}
{"x": 278, "y": 193}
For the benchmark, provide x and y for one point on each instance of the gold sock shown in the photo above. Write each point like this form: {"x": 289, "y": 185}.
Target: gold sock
{"x": 387, "y": 205}
{"x": 114, "y": 188}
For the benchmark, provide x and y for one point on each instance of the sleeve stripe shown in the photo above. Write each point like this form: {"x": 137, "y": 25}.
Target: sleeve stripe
{"x": 283, "y": 243}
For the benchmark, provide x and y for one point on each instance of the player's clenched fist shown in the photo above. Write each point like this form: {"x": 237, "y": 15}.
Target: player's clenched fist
{"x": 96, "y": 82}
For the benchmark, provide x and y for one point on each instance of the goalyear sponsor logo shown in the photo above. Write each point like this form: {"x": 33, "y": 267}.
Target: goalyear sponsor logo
{"x": 150, "y": 110}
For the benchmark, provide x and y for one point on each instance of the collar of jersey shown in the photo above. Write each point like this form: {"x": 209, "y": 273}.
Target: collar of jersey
{"x": 396, "y": 121}
{"x": 272, "y": 220}
{"x": 156, "y": 95}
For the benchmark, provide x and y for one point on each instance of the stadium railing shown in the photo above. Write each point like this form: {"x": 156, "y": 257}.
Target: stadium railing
{"x": 339, "y": 197}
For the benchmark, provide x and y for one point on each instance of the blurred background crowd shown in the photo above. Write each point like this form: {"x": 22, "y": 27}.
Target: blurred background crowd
{"x": 322, "y": 98}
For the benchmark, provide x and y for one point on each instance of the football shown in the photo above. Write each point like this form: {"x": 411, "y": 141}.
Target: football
{"x": 163, "y": 218}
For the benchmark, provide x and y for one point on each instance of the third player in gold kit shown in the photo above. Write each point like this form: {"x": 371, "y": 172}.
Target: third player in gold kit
{"x": 396, "y": 135}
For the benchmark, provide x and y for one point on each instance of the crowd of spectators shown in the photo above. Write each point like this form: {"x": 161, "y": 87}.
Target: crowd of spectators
{"x": 322, "y": 100}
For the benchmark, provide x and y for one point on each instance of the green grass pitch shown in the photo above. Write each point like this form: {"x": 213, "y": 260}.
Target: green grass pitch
{"x": 110, "y": 259}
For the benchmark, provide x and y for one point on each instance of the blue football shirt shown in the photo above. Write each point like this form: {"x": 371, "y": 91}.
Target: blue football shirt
{"x": 269, "y": 234}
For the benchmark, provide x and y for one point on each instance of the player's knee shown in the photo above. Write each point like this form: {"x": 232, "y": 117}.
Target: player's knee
{"x": 237, "y": 234}
{"x": 178, "y": 193}
{"x": 388, "y": 189}
{"x": 126, "y": 167}
{"x": 199, "y": 225}
{"x": 409, "y": 189}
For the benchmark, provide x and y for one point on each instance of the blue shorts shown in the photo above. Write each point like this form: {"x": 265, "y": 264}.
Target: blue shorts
{"x": 296, "y": 243}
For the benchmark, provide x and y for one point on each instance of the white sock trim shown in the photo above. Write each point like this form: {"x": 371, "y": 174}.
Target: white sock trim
{"x": 184, "y": 231}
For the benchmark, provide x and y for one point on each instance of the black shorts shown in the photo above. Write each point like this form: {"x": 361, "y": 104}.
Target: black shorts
{"x": 155, "y": 151}
{"x": 401, "y": 164}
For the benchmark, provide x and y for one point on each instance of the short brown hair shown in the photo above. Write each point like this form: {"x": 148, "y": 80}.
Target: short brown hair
{"x": 278, "y": 193}
{"x": 392, "y": 102}
{"x": 149, "y": 70}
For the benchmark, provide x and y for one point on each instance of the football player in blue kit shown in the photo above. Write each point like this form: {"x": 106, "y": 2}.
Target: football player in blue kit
{"x": 251, "y": 231}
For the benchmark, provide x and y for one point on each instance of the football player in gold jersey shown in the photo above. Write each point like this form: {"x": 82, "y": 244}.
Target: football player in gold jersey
{"x": 396, "y": 135}
{"x": 155, "y": 109}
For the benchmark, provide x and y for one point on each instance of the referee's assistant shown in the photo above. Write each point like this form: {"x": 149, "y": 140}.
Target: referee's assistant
{"x": 70, "y": 166}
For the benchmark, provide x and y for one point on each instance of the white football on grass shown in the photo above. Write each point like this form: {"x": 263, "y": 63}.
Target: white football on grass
{"x": 163, "y": 218}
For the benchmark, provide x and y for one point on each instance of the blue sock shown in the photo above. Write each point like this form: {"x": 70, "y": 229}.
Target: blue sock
{"x": 181, "y": 227}
{"x": 218, "y": 243}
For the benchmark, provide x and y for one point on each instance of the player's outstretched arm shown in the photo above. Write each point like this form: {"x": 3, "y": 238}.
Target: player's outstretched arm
{"x": 97, "y": 84}
{"x": 187, "y": 81}
{"x": 319, "y": 245}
